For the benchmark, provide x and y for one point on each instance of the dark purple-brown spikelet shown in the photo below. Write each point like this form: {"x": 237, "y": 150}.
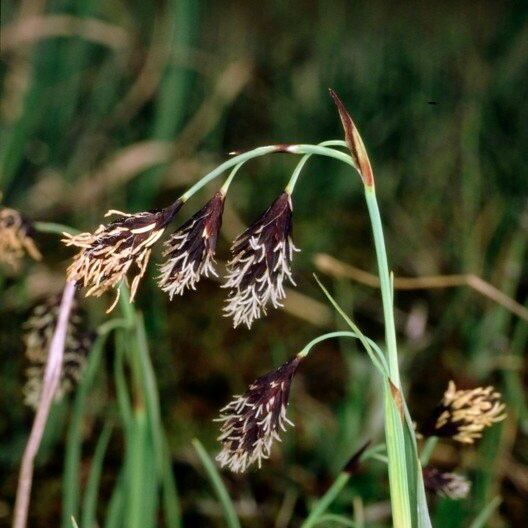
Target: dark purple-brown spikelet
{"x": 261, "y": 263}
{"x": 16, "y": 238}
{"x": 191, "y": 249}
{"x": 108, "y": 254}
{"x": 252, "y": 421}
{"x": 446, "y": 484}
{"x": 463, "y": 414}
{"x": 38, "y": 332}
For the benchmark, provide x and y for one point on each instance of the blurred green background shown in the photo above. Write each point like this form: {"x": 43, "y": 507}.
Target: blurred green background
{"x": 123, "y": 104}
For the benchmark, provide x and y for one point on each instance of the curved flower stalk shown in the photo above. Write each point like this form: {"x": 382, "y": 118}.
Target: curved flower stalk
{"x": 261, "y": 264}
{"x": 114, "y": 250}
{"x": 191, "y": 249}
{"x": 251, "y": 422}
{"x": 39, "y": 330}
{"x": 463, "y": 414}
{"x": 16, "y": 238}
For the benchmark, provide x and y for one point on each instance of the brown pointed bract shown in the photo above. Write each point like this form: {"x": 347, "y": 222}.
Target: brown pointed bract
{"x": 355, "y": 143}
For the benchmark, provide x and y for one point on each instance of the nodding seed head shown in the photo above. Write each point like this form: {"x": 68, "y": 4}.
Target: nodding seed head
{"x": 446, "y": 484}
{"x": 463, "y": 414}
{"x": 16, "y": 238}
{"x": 38, "y": 332}
{"x": 113, "y": 250}
{"x": 251, "y": 422}
{"x": 261, "y": 264}
{"x": 191, "y": 249}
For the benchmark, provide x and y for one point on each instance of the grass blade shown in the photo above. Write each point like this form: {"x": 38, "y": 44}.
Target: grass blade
{"x": 88, "y": 518}
{"x": 483, "y": 517}
{"x": 219, "y": 487}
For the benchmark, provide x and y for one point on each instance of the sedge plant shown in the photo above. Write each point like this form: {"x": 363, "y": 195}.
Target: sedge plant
{"x": 259, "y": 269}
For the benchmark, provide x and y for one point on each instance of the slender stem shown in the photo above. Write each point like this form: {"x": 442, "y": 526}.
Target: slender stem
{"x": 227, "y": 183}
{"x": 230, "y": 515}
{"x": 262, "y": 151}
{"x": 322, "y": 151}
{"x": 370, "y": 344}
{"x": 380, "y": 364}
{"x": 297, "y": 171}
{"x": 385, "y": 282}
{"x": 72, "y": 456}
{"x": 88, "y": 518}
{"x": 482, "y": 518}
{"x": 241, "y": 158}
{"x": 428, "y": 450}
{"x": 50, "y": 383}
{"x": 52, "y": 227}
{"x": 394, "y": 406}
{"x": 324, "y": 502}
{"x": 333, "y": 491}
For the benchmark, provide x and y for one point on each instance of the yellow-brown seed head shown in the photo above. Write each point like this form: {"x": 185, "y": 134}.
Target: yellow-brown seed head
{"x": 112, "y": 251}
{"x": 464, "y": 414}
{"x": 16, "y": 238}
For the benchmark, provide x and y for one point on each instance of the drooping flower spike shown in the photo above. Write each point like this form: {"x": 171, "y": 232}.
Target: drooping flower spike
{"x": 446, "y": 484}
{"x": 191, "y": 249}
{"x": 251, "y": 422}
{"x": 37, "y": 337}
{"x": 464, "y": 414}
{"x": 114, "y": 250}
{"x": 16, "y": 238}
{"x": 261, "y": 264}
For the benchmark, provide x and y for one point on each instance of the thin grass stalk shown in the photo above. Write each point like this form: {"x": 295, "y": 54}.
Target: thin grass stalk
{"x": 72, "y": 458}
{"x": 336, "y": 520}
{"x": 324, "y": 502}
{"x": 50, "y": 383}
{"x": 136, "y": 467}
{"x": 428, "y": 449}
{"x": 219, "y": 487}
{"x": 398, "y": 474}
{"x": 154, "y": 446}
{"x": 170, "y": 498}
{"x": 333, "y": 491}
{"x": 88, "y": 516}
{"x": 114, "y": 513}
{"x": 483, "y": 517}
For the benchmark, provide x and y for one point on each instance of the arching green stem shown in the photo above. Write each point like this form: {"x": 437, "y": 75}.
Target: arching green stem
{"x": 227, "y": 183}
{"x": 241, "y": 158}
{"x": 262, "y": 151}
{"x": 375, "y": 353}
{"x": 297, "y": 171}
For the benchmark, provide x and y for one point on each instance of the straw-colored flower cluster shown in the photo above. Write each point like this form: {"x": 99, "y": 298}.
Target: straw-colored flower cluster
{"x": 251, "y": 422}
{"x": 38, "y": 332}
{"x": 114, "y": 250}
{"x": 463, "y": 414}
{"x": 16, "y": 238}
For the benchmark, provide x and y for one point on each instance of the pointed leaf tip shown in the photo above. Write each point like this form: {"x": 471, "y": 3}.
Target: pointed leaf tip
{"x": 354, "y": 142}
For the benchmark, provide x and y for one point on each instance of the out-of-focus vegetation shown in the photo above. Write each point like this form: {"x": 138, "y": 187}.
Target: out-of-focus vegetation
{"x": 122, "y": 104}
